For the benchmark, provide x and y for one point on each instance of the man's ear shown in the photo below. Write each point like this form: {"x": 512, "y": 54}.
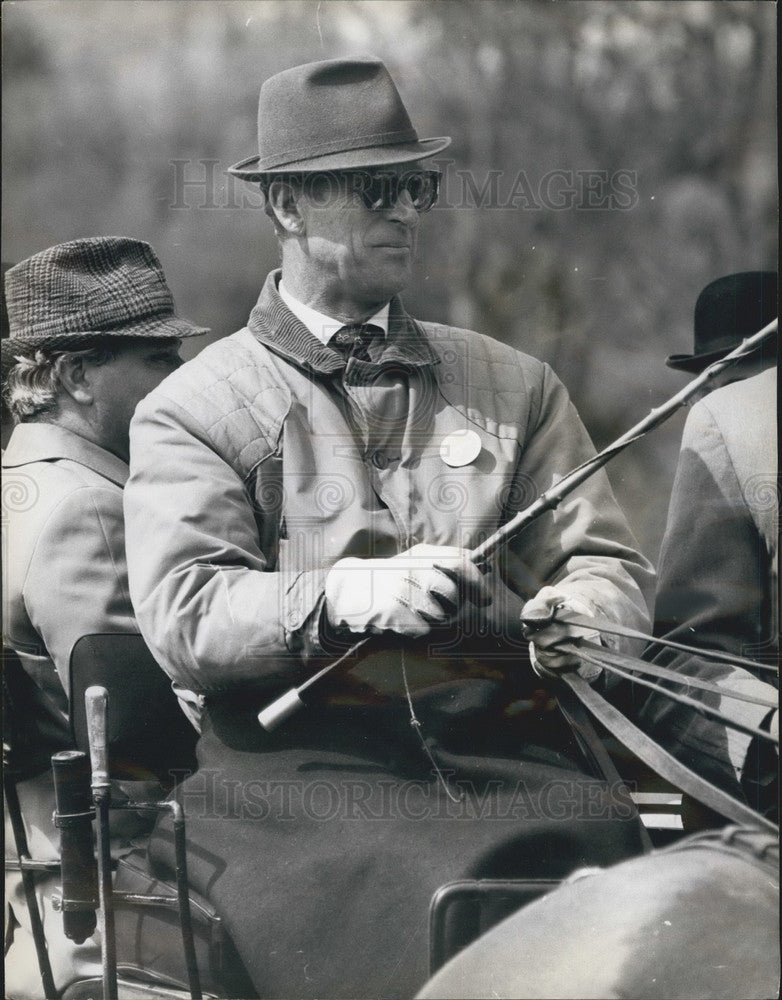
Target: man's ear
{"x": 76, "y": 379}
{"x": 283, "y": 199}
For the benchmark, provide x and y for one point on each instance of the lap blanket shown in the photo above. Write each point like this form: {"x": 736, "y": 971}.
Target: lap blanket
{"x": 321, "y": 845}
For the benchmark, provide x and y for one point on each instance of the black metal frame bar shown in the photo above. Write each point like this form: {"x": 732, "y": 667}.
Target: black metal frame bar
{"x": 474, "y": 892}
{"x": 27, "y": 866}
{"x": 182, "y": 899}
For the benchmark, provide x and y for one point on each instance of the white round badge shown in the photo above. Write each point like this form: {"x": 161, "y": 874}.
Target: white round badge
{"x": 460, "y": 448}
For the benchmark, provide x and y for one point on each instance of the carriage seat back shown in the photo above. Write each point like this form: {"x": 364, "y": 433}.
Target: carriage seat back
{"x": 148, "y": 734}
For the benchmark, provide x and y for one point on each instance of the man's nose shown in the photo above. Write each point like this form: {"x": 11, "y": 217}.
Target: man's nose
{"x": 403, "y": 210}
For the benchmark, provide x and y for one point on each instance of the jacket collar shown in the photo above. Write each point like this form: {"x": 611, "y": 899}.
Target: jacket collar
{"x": 41, "y": 442}
{"x": 322, "y": 326}
{"x": 272, "y": 323}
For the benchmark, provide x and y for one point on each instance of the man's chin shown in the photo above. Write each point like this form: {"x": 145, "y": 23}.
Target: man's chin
{"x": 394, "y": 277}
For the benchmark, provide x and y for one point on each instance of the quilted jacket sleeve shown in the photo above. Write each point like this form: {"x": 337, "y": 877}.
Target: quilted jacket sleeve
{"x": 584, "y": 547}
{"x": 205, "y": 605}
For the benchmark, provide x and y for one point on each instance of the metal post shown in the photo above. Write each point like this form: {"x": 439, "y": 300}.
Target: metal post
{"x": 28, "y": 883}
{"x": 96, "y": 700}
{"x": 183, "y": 896}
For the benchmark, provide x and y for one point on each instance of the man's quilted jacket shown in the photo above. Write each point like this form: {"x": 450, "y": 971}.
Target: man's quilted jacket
{"x": 264, "y": 460}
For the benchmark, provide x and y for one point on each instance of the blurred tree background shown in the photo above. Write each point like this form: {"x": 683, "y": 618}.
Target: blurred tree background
{"x": 609, "y": 160}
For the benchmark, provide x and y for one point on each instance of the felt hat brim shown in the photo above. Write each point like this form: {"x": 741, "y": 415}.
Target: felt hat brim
{"x": 252, "y": 168}
{"x": 696, "y": 363}
{"x": 693, "y": 362}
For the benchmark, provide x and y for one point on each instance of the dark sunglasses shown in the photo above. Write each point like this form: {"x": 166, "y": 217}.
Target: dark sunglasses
{"x": 380, "y": 191}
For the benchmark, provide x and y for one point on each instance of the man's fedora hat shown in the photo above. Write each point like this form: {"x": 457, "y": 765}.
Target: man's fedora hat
{"x": 100, "y": 286}
{"x": 340, "y": 114}
{"x": 727, "y": 311}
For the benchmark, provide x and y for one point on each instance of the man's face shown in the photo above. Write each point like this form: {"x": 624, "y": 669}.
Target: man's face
{"x": 120, "y": 384}
{"x": 356, "y": 256}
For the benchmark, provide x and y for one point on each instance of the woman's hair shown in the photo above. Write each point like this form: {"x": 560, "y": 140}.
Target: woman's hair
{"x": 31, "y": 384}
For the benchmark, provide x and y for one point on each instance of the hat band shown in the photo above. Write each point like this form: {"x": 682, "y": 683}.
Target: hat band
{"x": 313, "y": 151}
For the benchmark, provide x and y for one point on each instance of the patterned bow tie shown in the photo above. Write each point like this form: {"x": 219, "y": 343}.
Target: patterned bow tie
{"x": 352, "y": 340}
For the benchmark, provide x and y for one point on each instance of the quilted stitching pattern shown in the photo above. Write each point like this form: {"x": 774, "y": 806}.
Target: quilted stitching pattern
{"x": 236, "y": 397}
{"x": 480, "y": 376}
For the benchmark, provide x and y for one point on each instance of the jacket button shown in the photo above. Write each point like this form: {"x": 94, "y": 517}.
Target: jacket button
{"x": 380, "y": 460}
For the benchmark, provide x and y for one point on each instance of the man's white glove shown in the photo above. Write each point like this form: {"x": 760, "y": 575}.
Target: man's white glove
{"x": 543, "y": 651}
{"x": 408, "y": 594}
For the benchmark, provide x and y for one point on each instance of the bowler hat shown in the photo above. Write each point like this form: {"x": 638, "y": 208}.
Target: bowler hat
{"x": 99, "y": 286}
{"x": 340, "y": 114}
{"x": 728, "y": 310}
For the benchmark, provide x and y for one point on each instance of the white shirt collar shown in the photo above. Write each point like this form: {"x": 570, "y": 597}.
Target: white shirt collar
{"x": 319, "y": 324}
